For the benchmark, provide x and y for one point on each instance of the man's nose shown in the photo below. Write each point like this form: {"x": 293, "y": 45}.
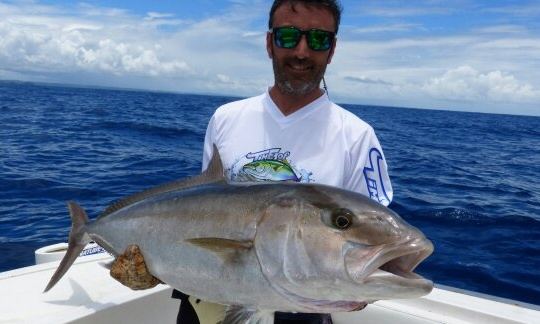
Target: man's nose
{"x": 302, "y": 50}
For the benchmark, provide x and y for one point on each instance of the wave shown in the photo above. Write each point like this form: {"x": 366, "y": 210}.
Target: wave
{"x": 454, "y": 216}
{"x": 151, "y": 130}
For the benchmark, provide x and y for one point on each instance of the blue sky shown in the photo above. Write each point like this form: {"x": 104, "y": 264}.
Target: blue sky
{"x": 457, "y": 55}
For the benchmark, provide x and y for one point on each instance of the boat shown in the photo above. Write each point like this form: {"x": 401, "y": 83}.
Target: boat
{"x": 87, "y": 294}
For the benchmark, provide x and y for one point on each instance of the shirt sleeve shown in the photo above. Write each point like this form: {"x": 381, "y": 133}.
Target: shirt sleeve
{"x": 209, "y": 141}
{"x": 368, "y": 171}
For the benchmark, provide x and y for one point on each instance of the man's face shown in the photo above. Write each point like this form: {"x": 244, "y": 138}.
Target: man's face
{"x": 299, "y": 70}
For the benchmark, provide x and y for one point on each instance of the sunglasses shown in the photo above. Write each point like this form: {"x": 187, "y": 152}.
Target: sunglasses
{"x": 289, "y": 37}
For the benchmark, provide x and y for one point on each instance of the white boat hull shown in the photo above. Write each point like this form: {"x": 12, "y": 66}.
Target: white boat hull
{"x": 88, "y": 295}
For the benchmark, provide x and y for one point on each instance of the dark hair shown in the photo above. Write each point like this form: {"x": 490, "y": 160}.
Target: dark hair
{"x": 333, "y": 5}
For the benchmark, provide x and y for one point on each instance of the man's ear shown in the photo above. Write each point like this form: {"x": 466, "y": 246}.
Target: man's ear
{"x": 269, "y": 48}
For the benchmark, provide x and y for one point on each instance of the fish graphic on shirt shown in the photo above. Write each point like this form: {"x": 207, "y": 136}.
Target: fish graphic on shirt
{"x": 270, "y": 170}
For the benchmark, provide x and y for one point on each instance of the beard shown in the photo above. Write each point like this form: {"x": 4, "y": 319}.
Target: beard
{"x": 289, "y": 84}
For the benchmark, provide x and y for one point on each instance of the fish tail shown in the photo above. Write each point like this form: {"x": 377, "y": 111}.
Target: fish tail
{"x": 77, "y": 241}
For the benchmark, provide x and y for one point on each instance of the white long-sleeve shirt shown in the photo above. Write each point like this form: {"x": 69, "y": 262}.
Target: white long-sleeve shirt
{"x": 321, "y": 142}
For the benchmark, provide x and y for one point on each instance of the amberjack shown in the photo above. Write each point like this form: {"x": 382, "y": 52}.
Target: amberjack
{"x": 261, "y": 247}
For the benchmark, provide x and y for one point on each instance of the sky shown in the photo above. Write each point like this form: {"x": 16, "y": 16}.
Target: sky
{"x": 463, "y": 55}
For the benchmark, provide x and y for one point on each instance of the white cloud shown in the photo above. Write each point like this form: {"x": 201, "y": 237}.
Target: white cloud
{"x": 157, "y": 15}
{"x": 366, "y": 80}
{"x": 498, "y": 66}
{"x": 81, "y": 27}
{"x": 466, "y": 83}
{"x": 49, "y": 42}
{"x": 31, "y": 41}
{"x": 503, "y": 29}
{"x": 91, "y": 10}
{"x": 528, "y": 10}
{"x": 403, "y": 11}
{"x": 224, "y": 54}
{"x": 385, "y": 28}
{"x": 223, "y": 78}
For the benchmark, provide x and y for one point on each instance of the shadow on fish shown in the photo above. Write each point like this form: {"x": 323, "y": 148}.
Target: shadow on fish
{"x": 262, "y": 247}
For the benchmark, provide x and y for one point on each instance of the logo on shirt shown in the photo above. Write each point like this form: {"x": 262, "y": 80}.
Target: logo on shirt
{"x": 373, "y": 176}
{"x": 267, "y": 165}
{"x": 270, "y": 154}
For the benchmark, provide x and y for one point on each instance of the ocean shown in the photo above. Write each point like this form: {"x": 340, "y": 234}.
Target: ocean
{"x": 469, "y": 181}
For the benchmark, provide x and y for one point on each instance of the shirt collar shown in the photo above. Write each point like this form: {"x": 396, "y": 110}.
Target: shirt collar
{"x": 301, "y": 113}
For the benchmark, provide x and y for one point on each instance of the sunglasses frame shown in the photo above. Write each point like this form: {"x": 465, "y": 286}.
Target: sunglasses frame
{"x": 330, "y": 35}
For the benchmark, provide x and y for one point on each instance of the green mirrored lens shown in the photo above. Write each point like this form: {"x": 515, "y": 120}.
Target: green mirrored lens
{"x": 318, "y": 40}
{"x": 287, "y": 37}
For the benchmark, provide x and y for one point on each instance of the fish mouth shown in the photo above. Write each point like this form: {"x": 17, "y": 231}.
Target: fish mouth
{"x": 395, "y": 261}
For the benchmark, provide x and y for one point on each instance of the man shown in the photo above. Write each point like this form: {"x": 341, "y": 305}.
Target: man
{"x": 293, "y": 132}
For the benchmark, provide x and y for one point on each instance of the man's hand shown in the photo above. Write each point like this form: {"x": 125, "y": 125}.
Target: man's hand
{"x": 130, "y": 270}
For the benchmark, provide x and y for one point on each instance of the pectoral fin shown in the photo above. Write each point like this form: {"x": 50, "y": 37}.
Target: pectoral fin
{"x": 226, "y": 249}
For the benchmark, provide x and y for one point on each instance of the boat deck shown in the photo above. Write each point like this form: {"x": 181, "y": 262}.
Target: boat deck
{"x": 87, "y": 294}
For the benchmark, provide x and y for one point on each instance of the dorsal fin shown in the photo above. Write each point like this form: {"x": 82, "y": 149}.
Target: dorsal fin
{"x": 213, "y": 173}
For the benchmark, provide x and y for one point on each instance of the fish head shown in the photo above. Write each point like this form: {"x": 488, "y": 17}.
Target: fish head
{"x": 321, "y": 245}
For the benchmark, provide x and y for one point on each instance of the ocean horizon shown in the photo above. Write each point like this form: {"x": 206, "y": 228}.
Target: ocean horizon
{"x": 208, "y": 94}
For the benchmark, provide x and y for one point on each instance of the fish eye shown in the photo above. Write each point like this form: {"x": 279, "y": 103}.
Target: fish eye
{"x": 342, "y": 218}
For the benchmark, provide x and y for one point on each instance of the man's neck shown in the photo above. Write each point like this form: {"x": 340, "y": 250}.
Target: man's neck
{"x": 289, "y": 104}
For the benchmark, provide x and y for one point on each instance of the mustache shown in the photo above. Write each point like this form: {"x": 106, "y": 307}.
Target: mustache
{"x": 297, "y": 61}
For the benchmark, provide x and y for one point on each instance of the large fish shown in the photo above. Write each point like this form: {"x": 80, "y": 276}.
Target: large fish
{"x": 270, "y": 246}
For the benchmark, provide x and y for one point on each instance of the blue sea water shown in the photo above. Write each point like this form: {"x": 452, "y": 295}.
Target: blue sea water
{"x": 470, "y": 182}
